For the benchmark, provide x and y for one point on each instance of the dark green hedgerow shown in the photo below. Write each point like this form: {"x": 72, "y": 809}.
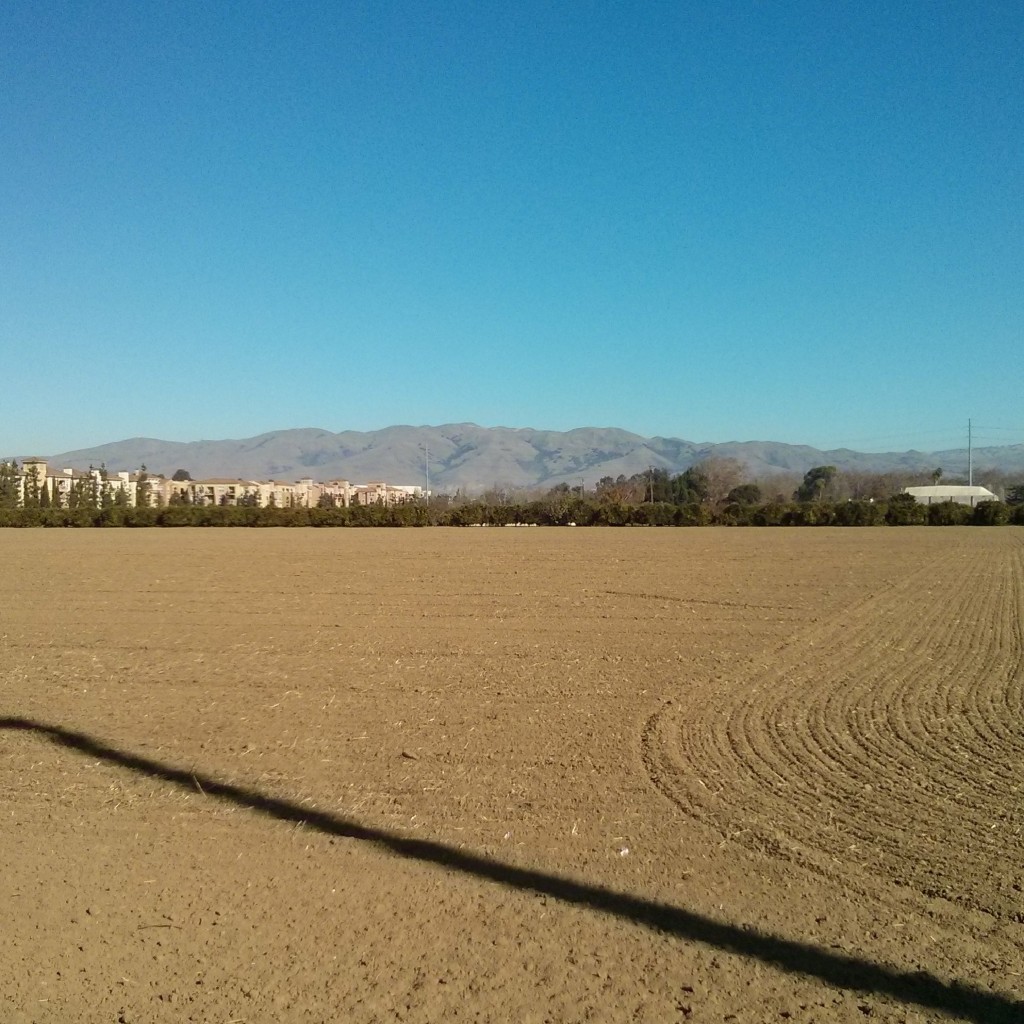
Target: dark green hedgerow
{"x": 901, "y": 510}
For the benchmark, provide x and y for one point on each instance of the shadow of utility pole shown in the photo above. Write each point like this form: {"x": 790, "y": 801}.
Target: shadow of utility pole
{"x": 838, "y": 970}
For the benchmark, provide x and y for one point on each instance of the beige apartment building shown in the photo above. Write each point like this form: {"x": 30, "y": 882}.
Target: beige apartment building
{"x": 124, "y": 488}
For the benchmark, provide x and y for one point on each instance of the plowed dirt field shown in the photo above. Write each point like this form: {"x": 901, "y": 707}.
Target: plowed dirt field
{"x": 512, "y": 775}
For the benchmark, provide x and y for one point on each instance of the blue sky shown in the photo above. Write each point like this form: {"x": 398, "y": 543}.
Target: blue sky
{"x": 718, "y": 221}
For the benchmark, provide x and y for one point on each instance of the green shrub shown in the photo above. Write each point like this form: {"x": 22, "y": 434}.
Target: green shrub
{"x": 611, "y": 513}
{"x": 658, "y": 513}
{"x": 772, "y": 514}
{"x": 735, "y": 514}
{"x": 949, "y": 513}
{"x": 859, "y": 513}
{"x": 693, "y": 514}
{"x": 175, "y": 515}
{"x": 811, "y": 513}
{"x": 141, "y": 515}
{"x": 904, "y": 510}
{"x": 990, "y": 513}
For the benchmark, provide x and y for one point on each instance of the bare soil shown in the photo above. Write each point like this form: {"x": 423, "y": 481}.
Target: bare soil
{"x": 511, "y": 775}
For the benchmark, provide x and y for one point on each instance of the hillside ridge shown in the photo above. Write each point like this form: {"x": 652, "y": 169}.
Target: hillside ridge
{"x": 471, "y": 458}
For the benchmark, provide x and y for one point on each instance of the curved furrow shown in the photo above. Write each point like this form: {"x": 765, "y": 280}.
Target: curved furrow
{"x": 946, "y": 790}
{"x": 881, "y": 746}
{"x": 1000, "y": 709}
{"x": 833, "y": 751}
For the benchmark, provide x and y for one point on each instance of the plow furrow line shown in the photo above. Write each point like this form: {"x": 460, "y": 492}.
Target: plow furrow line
{"x": 880, "y": 747}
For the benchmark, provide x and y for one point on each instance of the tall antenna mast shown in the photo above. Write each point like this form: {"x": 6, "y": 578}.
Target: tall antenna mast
{"x": 970, "y": 456}
{"x": 426, "y": 470}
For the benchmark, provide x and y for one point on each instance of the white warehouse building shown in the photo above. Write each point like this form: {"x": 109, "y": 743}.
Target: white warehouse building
{"x": 960, "y": 493}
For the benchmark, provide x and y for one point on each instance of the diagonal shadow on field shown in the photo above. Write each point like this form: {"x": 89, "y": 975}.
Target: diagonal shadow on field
{"x": 835, "y": 969}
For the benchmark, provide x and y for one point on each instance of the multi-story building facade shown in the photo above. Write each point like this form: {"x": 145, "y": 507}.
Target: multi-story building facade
{"x": 66, "y": 486}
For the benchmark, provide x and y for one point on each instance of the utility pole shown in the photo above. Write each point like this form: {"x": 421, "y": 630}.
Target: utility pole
{"x": 970, "y": 457}
{"x": 426, "y": 470}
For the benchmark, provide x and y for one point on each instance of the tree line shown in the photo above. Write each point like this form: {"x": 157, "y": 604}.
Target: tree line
{"x": 712, "y": 492}
{"x": 554, "y": 510}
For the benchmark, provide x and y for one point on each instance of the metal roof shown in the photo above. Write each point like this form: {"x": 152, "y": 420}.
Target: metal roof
{"x": 951, "y": 490}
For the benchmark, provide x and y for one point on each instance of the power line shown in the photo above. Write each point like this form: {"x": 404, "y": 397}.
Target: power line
{"x": 894, "y": 438}
{"x": 943, "y": 438}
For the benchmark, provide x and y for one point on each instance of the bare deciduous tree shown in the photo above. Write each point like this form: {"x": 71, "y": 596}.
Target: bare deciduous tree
{"x": 722, "y": 476}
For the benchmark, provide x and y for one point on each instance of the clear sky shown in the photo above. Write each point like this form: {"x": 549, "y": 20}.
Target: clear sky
{"x": 791, "y": 221}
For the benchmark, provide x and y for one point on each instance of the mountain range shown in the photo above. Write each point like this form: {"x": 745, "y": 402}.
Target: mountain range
{"x": 473, "y": 458}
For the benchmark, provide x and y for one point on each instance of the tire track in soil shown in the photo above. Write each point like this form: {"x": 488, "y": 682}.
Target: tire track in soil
{"x": 881, "y": 745}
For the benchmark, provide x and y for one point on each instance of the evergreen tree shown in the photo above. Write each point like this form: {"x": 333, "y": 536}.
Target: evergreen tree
{"x": 745, "y": 494}
{"x": 691, "y": 487}
{"x": 92, "y": 488}
{"x": 10, "y": 489}
{"x": 143, "y": 488}
{"x": 816, "y": 483}
{"x": 30, "y": 489}
{"x": 106, "y": 492}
